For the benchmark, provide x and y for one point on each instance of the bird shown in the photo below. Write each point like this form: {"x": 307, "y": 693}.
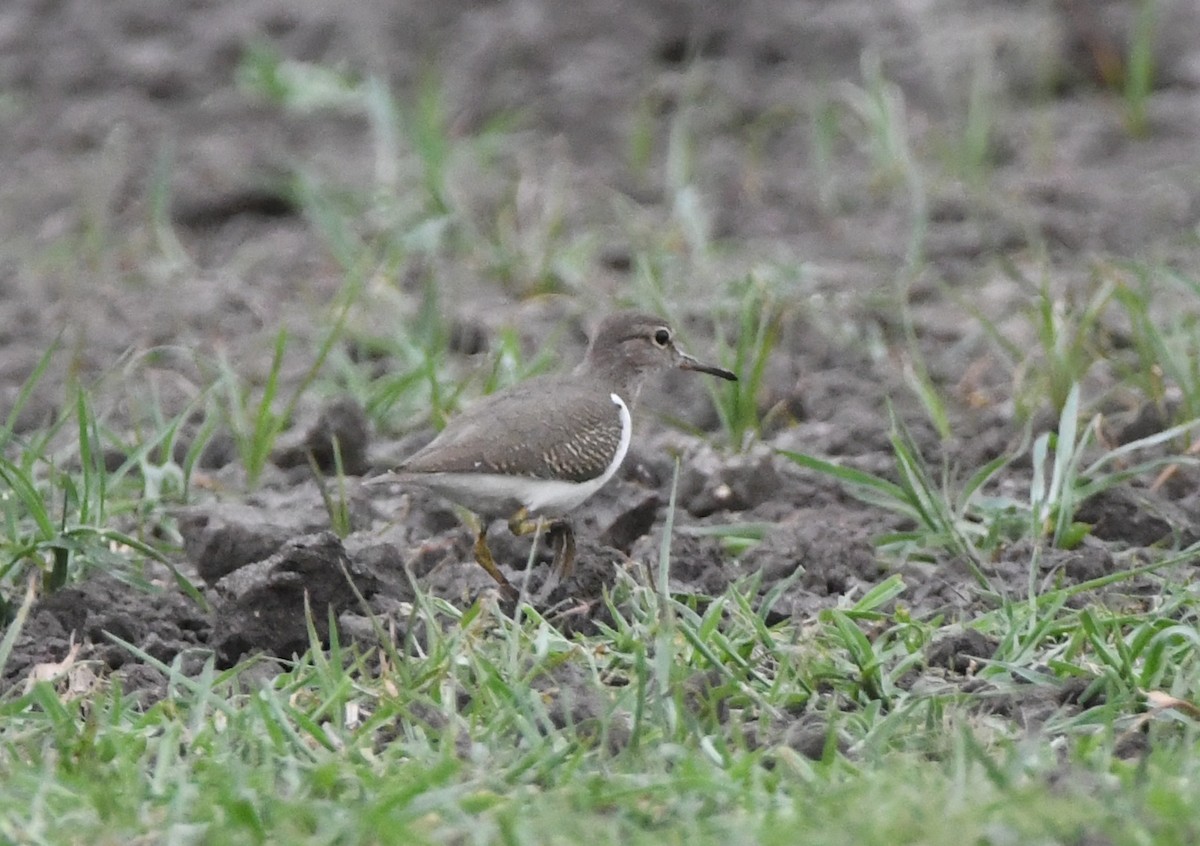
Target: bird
{"x": 539, "y": 449}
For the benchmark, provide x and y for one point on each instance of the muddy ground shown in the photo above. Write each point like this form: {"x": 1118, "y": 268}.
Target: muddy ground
{"x": 100, "y": 101}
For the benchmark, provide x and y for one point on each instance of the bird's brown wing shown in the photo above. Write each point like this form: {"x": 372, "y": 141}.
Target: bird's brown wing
{"x": 521, "y": 432}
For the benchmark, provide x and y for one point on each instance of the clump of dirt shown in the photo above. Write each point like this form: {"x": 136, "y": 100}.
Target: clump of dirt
{"x": 268, "y": 606}
{"x": 337, "y": 441}
{"x": 164, "y": 624}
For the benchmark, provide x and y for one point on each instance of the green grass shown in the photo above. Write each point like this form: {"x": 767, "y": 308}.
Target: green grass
{"x": 1165, "y": 365}
{"x": 472, "y": 735}
{"x": 1137, "y": 319}
{"x": 755, "y": 336}
{"x": 1139, "y": 69}
{"x": 879, "y": 126}
{"x": 67, "y": 515}
{"x": 964, "y": 519}
{"x": 970, "y": 146}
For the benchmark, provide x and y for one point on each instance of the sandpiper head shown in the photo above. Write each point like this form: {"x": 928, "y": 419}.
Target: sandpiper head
{"x": 629, "y": 346}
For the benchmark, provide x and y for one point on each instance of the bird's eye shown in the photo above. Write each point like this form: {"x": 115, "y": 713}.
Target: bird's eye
{"x": 662, "y": 337}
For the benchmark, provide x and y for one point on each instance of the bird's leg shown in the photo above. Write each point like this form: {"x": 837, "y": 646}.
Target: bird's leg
{"x": 562, "y": 538}
{"x": 483, "y": 555}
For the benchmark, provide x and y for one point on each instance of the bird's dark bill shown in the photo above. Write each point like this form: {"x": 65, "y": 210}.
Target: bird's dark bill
{"x": 689, "y": 363}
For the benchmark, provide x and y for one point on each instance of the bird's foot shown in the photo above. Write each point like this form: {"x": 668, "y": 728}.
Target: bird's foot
{"x": 558, "y": 532}
{"x": 561, "y": 536}
{"x": 522, "y": 524}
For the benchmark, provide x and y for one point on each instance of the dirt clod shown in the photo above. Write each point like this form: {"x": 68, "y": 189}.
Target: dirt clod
{"x": 729, "y": 483}
{"x": 341, "y": 431}
{"x": 218, "y": 545}
{"x": 962, "y": 653}
{"x": 265, "y": 606}
{"x": 163, "y": 623}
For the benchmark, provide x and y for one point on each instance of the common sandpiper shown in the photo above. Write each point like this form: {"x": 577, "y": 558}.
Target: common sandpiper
{"x": 538, "y": 450}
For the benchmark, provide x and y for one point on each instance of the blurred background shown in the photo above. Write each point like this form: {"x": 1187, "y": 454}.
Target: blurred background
{"x": 200, "y": 174}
